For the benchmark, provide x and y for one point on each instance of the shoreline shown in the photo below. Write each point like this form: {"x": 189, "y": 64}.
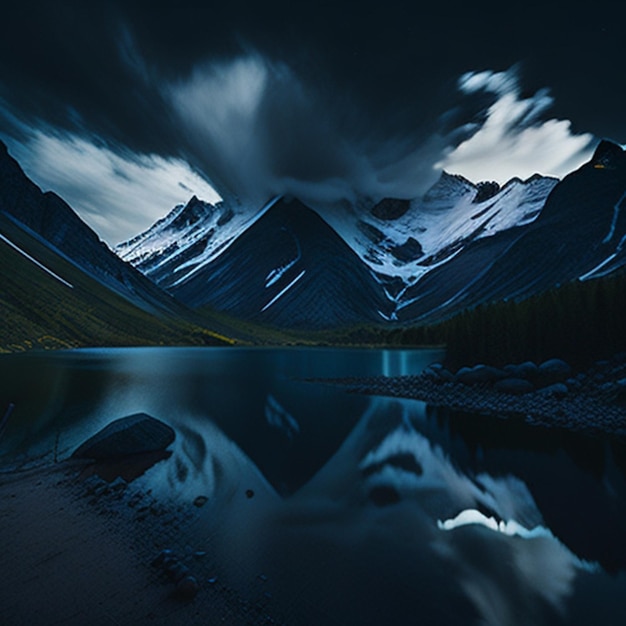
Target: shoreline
{"x": 589, "y": 412}
{"x": 79, "y": 550}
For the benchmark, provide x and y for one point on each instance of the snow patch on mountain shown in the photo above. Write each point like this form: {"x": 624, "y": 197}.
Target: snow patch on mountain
{"x": 175, "y": 239}
{"x": 284, "y": 290}
{"x": 439, "y": 225}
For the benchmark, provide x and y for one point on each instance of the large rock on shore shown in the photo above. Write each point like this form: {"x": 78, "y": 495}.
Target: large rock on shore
{"x": 554, "y": 371}
{"x": 526, "y": 370}
{"x": 134, "y": 434}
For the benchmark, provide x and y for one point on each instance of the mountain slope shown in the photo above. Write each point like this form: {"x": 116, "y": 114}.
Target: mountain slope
{"x": 580, "y": 233}
{"x": 52, "y": 220}
{"x": 195, "y": 232}
{"x": 39, "y": 226}
{"x": 289, "y": 269}
{"x": 49, "y": 302}
{"x": 407, "y": 239}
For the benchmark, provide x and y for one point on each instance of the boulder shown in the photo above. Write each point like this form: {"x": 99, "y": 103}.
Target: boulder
{"x": 479, "y": 374}
{"x": 554, "y": 371}
{"x": 437, "y": 372}
{"x": 134, "y": 434}
{"x": 527, "y": 370}
{"x": 514, "y": 386}
{"x": 573, "y": 384}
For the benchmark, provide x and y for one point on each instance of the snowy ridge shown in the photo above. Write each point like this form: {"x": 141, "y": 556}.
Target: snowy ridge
{"x": 174, "y": 240}
{"x": 398, "y": 241}
{"x": 442, "y": 223}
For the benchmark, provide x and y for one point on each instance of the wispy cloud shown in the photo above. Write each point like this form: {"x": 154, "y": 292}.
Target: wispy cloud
{"x": 515, "y": 139}
{"x": 117, "y": 194}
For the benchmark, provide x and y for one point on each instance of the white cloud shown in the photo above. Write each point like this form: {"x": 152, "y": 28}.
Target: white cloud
{"x": 515, "y": 140}
{"x": 117, "y": 196}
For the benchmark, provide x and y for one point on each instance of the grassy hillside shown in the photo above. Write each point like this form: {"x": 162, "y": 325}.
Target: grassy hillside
{"x": 41, "y": 312}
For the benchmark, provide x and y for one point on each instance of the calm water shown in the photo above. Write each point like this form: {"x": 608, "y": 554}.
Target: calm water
{"x": 366, "y": 510}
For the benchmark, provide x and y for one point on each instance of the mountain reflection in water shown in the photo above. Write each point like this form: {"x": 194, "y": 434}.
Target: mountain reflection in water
{"x": 364, "y": 510}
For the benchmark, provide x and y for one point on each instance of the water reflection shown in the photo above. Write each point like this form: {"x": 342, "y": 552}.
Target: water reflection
{"x": 358, "y": 510}
{"x": 376, "y": 559}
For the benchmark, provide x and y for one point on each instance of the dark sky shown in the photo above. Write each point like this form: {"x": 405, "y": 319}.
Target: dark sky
{"x": 317, "y": 98}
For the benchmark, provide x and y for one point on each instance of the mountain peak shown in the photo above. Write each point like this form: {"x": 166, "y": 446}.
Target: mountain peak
{"x": 607, "y": 155}
{"x": 193, "y": 212}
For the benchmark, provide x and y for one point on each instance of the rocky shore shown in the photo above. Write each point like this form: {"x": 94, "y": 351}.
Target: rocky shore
{"x": 549, "y": 394}
{"x": 79, "y": 549}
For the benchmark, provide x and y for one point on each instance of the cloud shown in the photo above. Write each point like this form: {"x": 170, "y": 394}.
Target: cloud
{"x": 253, "y": 128}
{"x": 258, "y": 129}
{"x": 117, "y": 194}
{"x": 515, "y": 139}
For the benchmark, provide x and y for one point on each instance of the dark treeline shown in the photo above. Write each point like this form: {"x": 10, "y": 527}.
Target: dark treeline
{"x": 580, "y": 322}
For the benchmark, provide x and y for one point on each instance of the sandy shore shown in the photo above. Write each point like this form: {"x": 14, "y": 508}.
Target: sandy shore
{"x": 77, "y": 551}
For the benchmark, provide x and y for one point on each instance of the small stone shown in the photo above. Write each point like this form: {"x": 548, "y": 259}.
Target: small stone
{"x": 479, "y": 374}
{"x": 554, "y": 371}
{"x": 200, "y": 501}
{"x": 558, "y": 390}
{"x": 176, "y": 570}
{"x": 514, "y": 386}
{"x": 162, "y": 557}
{"x": 187, "y": 587}
{"x": 119, "y": 484}
{"x": 527, "y": 370}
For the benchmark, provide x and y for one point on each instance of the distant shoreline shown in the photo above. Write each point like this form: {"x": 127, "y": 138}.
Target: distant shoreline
{"x": 588, "y": 412}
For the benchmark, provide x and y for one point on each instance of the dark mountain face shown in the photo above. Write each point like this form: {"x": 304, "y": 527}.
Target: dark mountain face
{"x": 580, "y": 233}
{"x": 289, "y": 269}
{"x": 285, "y": 266}
{"x": 53, "y": 220}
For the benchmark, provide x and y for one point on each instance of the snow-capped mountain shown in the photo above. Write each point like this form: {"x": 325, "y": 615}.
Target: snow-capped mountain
{"x": 190, "y": 235}
{"x": 398, "y": 239}
{"x": 288, "y": 269}
{"x": 460, "y": 245}
{"x": 408, "y": 238}
{"x": 579, "y": 234}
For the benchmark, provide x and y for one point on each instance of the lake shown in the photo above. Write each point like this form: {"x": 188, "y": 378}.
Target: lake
{"x": 365, "y": 510}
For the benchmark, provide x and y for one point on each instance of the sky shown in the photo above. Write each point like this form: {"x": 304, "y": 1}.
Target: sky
{"x": 125, "y": 109}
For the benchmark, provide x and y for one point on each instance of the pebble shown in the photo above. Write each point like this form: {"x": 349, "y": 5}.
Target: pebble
{"x": 187, "y": 587}
{"x": 200, "y": 501}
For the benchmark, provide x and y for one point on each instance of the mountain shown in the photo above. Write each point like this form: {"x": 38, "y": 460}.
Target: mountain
{"x": 404, "y": 240}
{"x": 66, "y": 287}
{"x": 288, "y": 269}
{"x": 579, "y": 234}
{"x": 308, "y": 267}
{"x": 49, "y": 218}
{"x": 196, "y": 232}
{"x": 190, "y": 252}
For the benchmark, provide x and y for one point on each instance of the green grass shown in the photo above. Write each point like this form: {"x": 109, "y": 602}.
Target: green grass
{"x": 40, "y": 312}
